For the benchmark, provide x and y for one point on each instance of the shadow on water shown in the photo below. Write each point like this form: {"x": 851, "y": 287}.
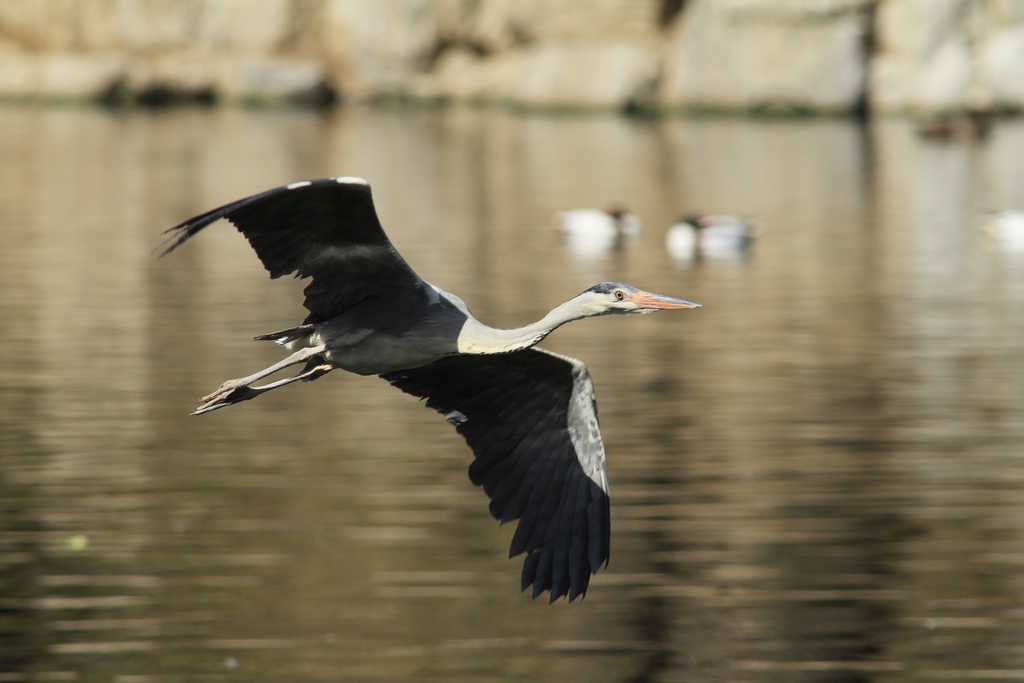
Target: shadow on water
{"x": 814, "y": 477}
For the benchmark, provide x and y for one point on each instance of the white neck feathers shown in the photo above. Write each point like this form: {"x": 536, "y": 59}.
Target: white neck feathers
{"x": 476, "y": 337}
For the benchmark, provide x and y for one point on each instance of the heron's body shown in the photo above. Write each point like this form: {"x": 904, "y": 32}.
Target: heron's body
{"x": 353, "y": 344}
{"x": 529, "y": 415}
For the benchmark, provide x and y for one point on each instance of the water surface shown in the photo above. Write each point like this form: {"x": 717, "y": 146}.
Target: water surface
{"x": 815, "y": 477}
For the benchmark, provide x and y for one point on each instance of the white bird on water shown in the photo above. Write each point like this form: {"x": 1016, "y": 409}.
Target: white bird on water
{"x": 712, "y": 237}
{"x": 529, "y": 415}
{"x": 592, "y": 232}
{"x": 1006, "y": 229}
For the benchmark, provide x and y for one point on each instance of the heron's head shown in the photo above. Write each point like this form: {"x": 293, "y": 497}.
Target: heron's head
{"x": 610, "y": 298}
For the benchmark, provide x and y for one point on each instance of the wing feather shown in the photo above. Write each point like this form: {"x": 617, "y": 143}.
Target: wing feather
{"x": 515, "y": 411}
{"x": 537, "y": 513}
{"x": 499, "y": 474}
{"x": 560, "y": 569}
{"x": 496, "y": 439}
{"x": 578, "y": 544}
{"x": 508, "y": 480}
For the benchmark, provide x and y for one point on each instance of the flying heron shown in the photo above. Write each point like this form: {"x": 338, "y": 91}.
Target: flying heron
{"x": 529, "y": 415}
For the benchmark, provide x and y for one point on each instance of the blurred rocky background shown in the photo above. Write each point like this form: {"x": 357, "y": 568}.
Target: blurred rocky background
{"x": 787, "y": 56}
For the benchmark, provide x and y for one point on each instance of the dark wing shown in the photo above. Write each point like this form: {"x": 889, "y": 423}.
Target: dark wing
{"x": 531, "y": 420}
{"x": 326, "y": 230}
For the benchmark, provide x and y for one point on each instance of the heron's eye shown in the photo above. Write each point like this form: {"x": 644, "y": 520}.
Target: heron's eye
{"x": 619, "y": 295}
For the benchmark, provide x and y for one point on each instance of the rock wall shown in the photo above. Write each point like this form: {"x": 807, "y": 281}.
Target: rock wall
{"x": 948, "y": 55}
{"x": 765, "y": 54}
{"x": 741, "y": 55}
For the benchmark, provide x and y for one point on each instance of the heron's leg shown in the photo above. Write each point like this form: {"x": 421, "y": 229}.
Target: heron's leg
{"x": 299, "y": 356}
{"x": 244, "y": 392}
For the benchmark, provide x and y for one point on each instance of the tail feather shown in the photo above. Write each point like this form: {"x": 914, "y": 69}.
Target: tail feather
{"x": 288, "y": 335}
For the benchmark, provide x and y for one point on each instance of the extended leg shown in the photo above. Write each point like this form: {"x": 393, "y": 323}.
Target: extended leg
{"x": 243, "y": 392}
{"x": 299, "y": 356}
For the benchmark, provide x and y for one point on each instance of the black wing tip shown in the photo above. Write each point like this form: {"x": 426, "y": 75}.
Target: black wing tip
{"x": 540, "y": 571}
{"x": 180, "y": 233}
{"x": 176, "y": 236}
{"x": 571, "y": 592}
{"x": 575, "y": 587}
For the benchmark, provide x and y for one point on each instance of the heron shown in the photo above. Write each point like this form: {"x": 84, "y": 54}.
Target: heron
{"x": 529, "y": 415}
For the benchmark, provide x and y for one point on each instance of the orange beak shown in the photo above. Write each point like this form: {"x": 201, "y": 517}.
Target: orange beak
{"x": 657, "y": 302}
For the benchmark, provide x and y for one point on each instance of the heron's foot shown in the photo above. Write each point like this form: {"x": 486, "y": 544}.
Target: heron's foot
{"x": 223, "y": 398}
{"x": 313, "y": 372}
{"x": 225, "y": 388}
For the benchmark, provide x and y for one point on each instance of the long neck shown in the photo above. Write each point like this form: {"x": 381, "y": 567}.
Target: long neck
{"x": 476, "y": 337}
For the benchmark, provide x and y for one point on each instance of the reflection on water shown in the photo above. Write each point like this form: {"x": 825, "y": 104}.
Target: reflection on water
{"x": 817, "y": 476}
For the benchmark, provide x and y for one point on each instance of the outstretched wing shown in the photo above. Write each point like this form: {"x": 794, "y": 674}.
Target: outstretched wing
{"x": 531, "y": 419}
{"x": 326, "y": 230}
